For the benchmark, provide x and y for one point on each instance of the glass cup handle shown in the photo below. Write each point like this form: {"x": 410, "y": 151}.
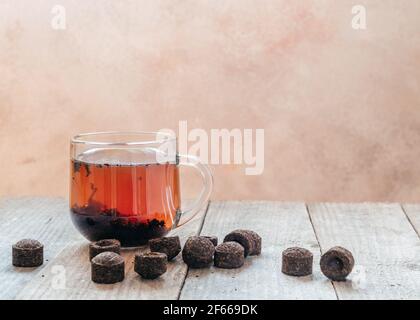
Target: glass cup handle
{"x": 205, "y": 173}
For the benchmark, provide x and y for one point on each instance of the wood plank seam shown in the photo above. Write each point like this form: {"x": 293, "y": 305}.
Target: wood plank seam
{"x": 319, "y": 244}
{"x": 409, "y": 220}
{"x": 198, "y": 233}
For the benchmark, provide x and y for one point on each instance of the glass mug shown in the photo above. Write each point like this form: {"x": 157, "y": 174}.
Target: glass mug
{"x": 126, "y": 186}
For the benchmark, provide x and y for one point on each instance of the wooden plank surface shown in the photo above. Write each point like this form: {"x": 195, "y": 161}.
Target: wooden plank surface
{"x": 45, "y": 219}
{"x": 382, "y": 237}
{"x": 280, "y": 225}
{"x": 413, "y": 213}
{"x": 385, "y": 246}
{"x": 73, "y": 259}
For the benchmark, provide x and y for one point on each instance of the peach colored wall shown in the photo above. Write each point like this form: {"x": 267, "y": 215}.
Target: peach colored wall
{"x": 340, "y": 107}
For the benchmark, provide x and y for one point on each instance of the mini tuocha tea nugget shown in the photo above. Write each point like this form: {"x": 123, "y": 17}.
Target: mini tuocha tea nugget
{"x": 107, "y": 267}
{"x": 249, "y": 239}
{"x": 171, "y": 246}
{"x": 27, "y": 253}
{"x": 150, "y": 265}
{"x": 257, "y": 243}
{"x": 198, "y": 252}
{"x": 213, "y": 239}
{"x": 229, "y": 255}
{"x": 337, "y": 263}
{"x": 104, "y": 245}
{"x": 297, "y": 262}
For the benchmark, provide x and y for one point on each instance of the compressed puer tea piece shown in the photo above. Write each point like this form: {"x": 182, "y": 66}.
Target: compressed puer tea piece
{"x": 213, "y": 239}
{"x": 27, "y": 253}
{"x": 171, "y": 246}
{"x": 249, "y": 239}
{"x": 257, "y": 243}
{"x": 337, "y": 263}
{"x": 229, "y": 255}
{"x": 150, "y": 265}
{"x": 243, "y": 238}
{"x": 111, "y": 245}
{"x": 107, "y": 267}
{"x": 297, "y": 262}
{"x": 198, "y": 252}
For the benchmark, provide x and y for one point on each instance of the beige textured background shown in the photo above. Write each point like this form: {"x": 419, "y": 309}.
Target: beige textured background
{"x": 340, "y": 108}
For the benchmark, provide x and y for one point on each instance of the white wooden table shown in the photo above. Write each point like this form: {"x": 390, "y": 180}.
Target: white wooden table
{"x": 384, "y": 239}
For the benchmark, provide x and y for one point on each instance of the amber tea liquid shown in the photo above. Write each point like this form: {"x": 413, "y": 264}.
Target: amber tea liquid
{"x": 131, "y": 202}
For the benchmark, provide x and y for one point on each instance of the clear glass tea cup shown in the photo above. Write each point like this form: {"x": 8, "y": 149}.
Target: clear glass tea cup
{"x": 126, "y": 186}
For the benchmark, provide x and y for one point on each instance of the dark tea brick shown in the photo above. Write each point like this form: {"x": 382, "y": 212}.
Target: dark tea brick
{"x": 249, "y": 239}
{"x": 213, "y": 239}
{"x": 337, "y": 263}
{"x": 198, "y": 252}
{"x": 107, "y": 268}
{"x": 28, "y": 253}
{"x": 257, "y": 243}
{"x": 297, "y": 262}
{"x": 229, "y": 255}
{"x": 171, "y": 246}
{"x": 104, "y": 245}
{"x": 150, "y": 265}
